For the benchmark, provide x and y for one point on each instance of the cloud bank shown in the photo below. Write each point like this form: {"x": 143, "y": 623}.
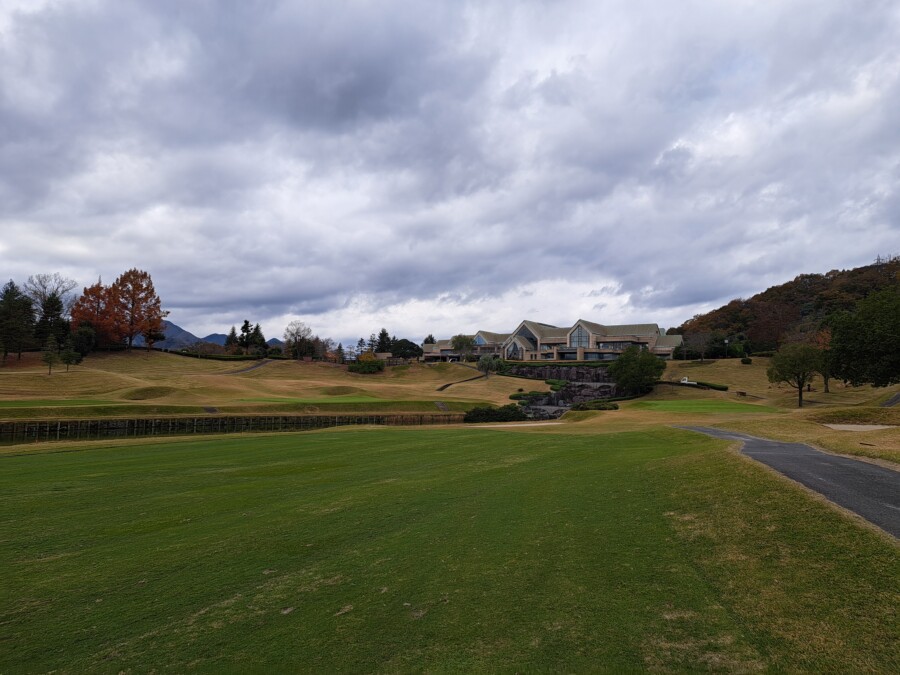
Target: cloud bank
{"x": 447, "y": 166}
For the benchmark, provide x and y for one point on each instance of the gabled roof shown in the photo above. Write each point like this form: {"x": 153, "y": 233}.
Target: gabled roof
{"x": 542, "y": 330}
{"x": 632, "y": 329}
{"x": 669, "y": 341}
{"x": 595, "y": 328}
{"x": 492, "y": 337}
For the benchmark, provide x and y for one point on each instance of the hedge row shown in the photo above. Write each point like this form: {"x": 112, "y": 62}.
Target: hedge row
{"x": 507, "y": 413}
{"x": 596, "y": 404}
{"x": 366, "y": 367}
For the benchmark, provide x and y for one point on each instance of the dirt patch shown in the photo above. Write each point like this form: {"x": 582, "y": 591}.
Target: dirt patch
{"x": 859, "y": 427}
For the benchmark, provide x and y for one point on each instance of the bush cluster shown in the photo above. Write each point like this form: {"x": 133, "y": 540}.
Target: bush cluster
{"x": 596, "y": 404}
{"x": 366, "y": 367}
{"x": 746, "y": 360}
{"x": 521, "y": 396}
{"x": 556, "y": 385}
{"x": 507, "y": 413}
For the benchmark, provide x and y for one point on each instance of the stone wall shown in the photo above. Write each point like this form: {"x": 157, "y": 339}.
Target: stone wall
{"x": 561, "y": 372}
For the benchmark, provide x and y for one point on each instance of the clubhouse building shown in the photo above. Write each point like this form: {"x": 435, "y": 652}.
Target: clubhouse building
{"x": 584, "y": 341}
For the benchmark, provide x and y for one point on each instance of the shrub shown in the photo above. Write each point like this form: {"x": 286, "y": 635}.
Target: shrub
{"x": 520, "y": 395}
{"x": 366, "y": 367}
{"x": 746, "y": 360}
{"x": 556, "y": 385}
{"x": 507, "y": 413}
{"x": 596, "y": 404}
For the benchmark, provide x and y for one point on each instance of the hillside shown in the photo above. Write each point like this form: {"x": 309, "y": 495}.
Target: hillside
{"x": 798, "y": 305}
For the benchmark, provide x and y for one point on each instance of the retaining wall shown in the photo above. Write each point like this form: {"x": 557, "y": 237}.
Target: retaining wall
{"x": 70, "y": 430}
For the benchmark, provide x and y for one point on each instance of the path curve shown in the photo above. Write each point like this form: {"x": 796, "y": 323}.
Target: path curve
{"x": 868, "y": 490}
{"x": 258, "y": 364}
{"x": 892, "y": 401}
{"x": 450, "y": 384}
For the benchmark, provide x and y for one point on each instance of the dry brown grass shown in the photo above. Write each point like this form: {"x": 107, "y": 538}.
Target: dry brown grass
{"x": 176, "y": 380}
{"x": 752, "y": 380}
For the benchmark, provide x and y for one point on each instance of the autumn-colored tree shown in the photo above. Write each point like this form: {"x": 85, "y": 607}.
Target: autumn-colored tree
{"x": 137, "y": 307}
{"x": 96, "y": 308}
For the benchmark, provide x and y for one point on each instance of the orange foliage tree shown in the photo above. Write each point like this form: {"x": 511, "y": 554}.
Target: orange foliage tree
{"x": 119, "y": 313}
{"x": 137, "y": 307}
{"x": 96, "y": 307}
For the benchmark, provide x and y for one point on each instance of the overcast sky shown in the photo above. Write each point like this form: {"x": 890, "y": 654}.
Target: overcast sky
{"x": 444, "y": 166}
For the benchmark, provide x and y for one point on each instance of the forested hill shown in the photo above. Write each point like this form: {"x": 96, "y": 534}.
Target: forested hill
{"x": 797, "y": 306}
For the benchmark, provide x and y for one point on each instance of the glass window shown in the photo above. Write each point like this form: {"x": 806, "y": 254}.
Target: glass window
{"x": 579, "y": 338}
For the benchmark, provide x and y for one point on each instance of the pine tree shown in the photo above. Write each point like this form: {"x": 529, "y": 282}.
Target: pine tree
{"x": 258, "y": 341}
{"x": 16, "y": 319}
{"x": 231, "y": 341}
{"x": 339, "y": 352}
{"x": 246, "y": 333}
{"x": 69, "y": 355}
{"x": 429, "y": 340}
{"x": 383, "y": 344}
{"x": 50, "y": 355}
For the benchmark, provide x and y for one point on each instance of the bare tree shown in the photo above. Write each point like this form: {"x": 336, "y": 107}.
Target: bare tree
{"x": 698, "y": 342}
{"x": 39, "y": 287}
{"x": 296, "y": 335}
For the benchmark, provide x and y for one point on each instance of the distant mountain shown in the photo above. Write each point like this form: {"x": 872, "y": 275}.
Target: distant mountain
{"x": 275, "y": 342}
{"x": 176, "y": 337}
{"x": 798, "y": 306}
{"x": 216, "y": 339}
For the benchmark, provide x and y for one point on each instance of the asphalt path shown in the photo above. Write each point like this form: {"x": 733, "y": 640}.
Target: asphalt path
{"x": 867, "y": 489}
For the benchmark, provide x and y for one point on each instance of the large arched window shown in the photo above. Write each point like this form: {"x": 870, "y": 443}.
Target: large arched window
{"x": 580, "y": 338}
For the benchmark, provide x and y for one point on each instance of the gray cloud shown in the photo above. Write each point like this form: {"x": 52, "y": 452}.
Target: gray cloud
{"x": 361, "y": 162}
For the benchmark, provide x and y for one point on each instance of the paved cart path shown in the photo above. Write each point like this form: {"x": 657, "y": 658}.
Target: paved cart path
{"x": 869, "y": 490}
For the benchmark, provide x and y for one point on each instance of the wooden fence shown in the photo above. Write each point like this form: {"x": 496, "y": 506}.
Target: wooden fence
{"x": 73, "y": 430}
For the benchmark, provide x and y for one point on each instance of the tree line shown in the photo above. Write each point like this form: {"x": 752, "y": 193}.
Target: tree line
{"x": 45, "y": 314}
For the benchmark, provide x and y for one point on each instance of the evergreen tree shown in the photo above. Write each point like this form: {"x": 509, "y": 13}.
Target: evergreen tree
{"x": 244, "y": 341}
{"x": 84, "y": 339}
{"x": 865, "y": 343}
{"x": 383, "y": 344}
{"x": 372, "y": 343}
{"x": 50, "y": 354}
{"x": 231, "y": 341}
{"x": 51, "y": 321}
{"x": 429, "y": 340}
{"x": 339, "y": 352}
{"x": 360, "y": 347}
{"x": 636, "y": 370}
{"x": 16, "y": 319}
{"x": 69, "y": 355}
{"x": 258, "y": 341}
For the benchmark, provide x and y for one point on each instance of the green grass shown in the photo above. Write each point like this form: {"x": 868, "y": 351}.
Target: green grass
{"x": 337, "y": 398}
{"x": 465, "y": 550}
{"x": 702, "y": 406}
{"x": 53, "y": 403}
